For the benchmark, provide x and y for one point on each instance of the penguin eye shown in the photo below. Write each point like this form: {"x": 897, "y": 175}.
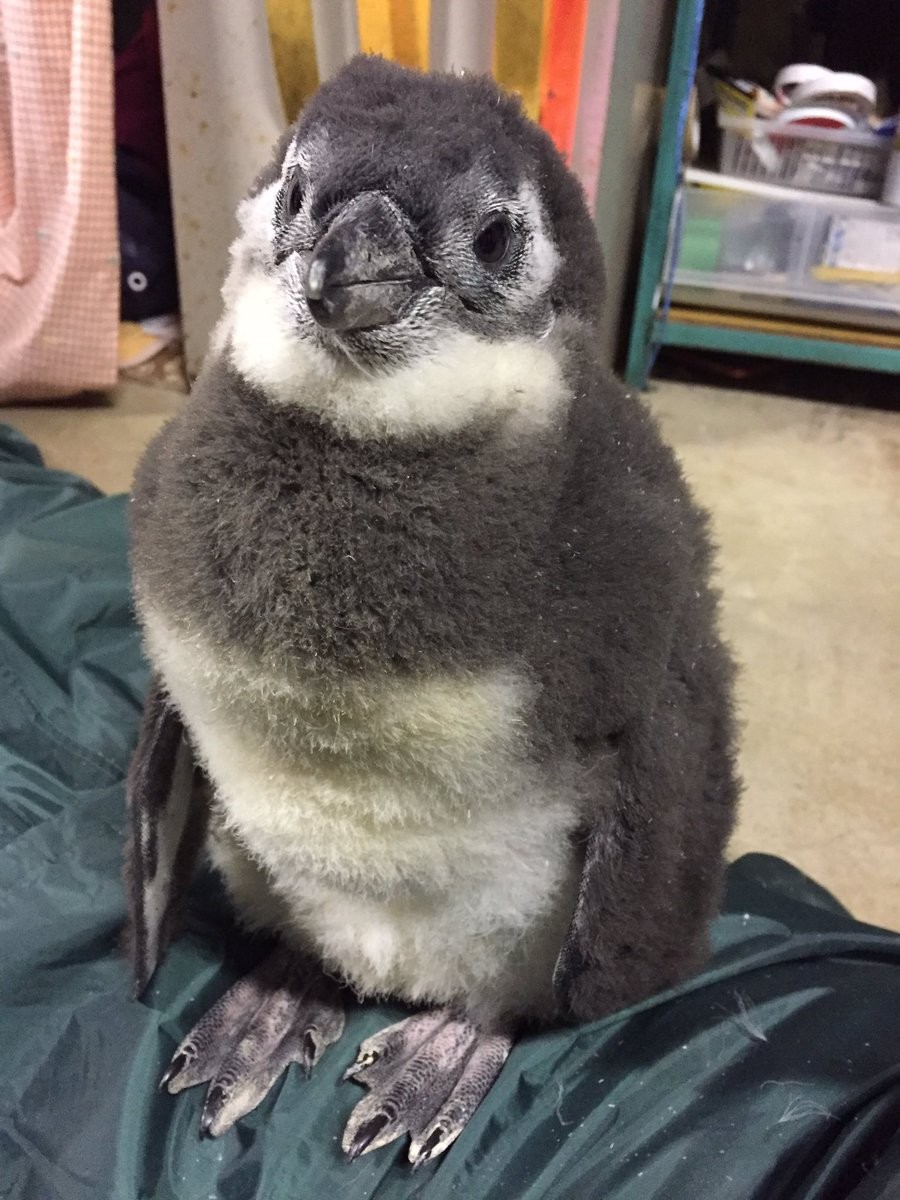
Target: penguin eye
{"x": 493, "y": 240}
{"x": 293, "y": 195}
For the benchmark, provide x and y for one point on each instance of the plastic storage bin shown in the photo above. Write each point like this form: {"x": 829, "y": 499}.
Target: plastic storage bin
{"x": 823, "y": 259}
{"x": 836, "y": 161}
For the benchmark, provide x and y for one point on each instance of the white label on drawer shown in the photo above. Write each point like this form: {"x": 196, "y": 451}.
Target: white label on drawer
{"x": 858, "y": 244}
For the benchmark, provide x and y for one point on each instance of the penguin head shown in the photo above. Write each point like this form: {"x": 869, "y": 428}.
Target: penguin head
{"x": 402, "y": 216}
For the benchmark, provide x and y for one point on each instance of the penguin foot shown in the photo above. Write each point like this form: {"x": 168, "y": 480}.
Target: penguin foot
{"x": 427, "y": 1076}
{"x": 282, "y": 1012}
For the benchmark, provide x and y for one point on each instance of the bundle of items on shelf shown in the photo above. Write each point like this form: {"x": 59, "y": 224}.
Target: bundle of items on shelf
{"x": 784, "y": 209}
{"x": 817, "y": 130}
{"x": 802, "y": 220}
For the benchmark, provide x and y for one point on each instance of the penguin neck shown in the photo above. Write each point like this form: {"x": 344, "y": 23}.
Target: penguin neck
{"x": 463, "y": 381}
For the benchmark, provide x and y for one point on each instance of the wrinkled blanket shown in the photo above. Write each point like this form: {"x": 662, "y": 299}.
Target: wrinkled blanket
{"x": 772, "y": 1076}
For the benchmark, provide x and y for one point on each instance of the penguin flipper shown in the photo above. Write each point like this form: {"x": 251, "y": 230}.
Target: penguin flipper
{"x": 167, "y": 802}
{"x": 654, "y": 862}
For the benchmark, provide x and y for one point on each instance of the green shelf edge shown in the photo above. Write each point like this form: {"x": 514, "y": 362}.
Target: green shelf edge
{"x": 666, "y": 176}
{"x": 779, "y": 345}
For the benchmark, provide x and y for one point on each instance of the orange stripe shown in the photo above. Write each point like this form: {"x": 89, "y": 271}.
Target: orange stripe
{"x": 374, "y": 24}
{"x": 409, "y": 29}
{"x": 293, "y": 48}
{"x": 561, "y": 71}
{"x": 518, "y": 39}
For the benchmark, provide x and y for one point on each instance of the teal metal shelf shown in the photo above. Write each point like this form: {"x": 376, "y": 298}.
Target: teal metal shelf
{"x": 780, "y": 345}
{"x": 666, "y": 177}
{"x": 650, "y": 327}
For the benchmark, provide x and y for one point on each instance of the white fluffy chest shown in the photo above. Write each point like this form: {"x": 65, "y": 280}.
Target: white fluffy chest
{"x": 398, "y": 826}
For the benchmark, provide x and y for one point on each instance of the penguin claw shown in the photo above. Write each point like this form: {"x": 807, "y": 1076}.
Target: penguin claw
{"x": 211, "y": 1108}
{"x": 430, "y": 1146}
{"x": 427, "y": 1076}
{"x": 268, "y": 1020}
{"x": 178, "y": 1063}
{"x": 362, "y": 1136}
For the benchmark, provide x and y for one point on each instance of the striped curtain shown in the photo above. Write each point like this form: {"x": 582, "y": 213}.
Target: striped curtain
{"x": 556, "y": 54}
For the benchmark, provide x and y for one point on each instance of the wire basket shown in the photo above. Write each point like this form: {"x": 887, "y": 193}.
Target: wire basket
{"x": 840, "y": 161}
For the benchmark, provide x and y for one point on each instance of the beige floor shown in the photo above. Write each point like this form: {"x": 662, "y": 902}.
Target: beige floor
{"x": 806, "y": 506}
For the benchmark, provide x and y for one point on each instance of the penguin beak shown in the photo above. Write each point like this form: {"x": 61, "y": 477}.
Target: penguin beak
{"x": 363, "y": 271}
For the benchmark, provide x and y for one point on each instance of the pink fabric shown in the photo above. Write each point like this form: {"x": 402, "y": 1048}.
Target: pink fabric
{"x": 59, "y": 264}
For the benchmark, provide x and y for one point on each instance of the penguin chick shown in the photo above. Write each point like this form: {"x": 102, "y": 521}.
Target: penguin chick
{"x": 437, "y": 676}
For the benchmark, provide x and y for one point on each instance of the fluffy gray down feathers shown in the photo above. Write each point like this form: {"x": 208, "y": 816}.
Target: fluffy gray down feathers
{"x": 436, "y": 608}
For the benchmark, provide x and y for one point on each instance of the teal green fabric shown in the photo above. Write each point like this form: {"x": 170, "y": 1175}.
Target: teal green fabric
{"x": 772, "y": 1076}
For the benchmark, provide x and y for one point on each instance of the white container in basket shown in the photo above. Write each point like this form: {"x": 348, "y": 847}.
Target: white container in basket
{"x": 841, "y": 161}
